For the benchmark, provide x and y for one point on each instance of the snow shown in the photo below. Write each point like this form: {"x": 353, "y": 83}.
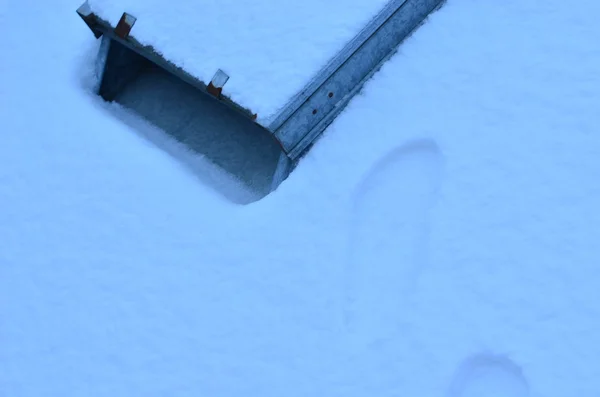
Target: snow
{"x": 439, "y": 240}
{"x": 270, "y": 49}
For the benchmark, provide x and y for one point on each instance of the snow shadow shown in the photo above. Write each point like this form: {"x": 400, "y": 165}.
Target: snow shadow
{"x": 488, "y": 375}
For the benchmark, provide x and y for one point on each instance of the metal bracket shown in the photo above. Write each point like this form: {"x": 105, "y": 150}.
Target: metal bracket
{"x": 125, "y": 24}
{"x": 85, "y": 12}
{"x": 215, "y": 87}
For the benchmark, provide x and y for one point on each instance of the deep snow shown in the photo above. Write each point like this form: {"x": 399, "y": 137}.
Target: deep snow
{"x": 441, "y": 239}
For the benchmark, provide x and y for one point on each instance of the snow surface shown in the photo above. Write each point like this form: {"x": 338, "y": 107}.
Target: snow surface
{"x": 441, "y": 240}
{"x": 270, "y": 49}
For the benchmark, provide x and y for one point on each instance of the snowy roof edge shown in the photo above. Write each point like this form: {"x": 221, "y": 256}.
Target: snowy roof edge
{"x": 100, "y": 27}
{"x": 315, "y": 106}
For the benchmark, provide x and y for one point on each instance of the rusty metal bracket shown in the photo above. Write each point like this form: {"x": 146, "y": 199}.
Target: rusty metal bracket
{"x": 85, "y": 12}
{"x": 215, "y": 87}
{"x": 125, "y": 24}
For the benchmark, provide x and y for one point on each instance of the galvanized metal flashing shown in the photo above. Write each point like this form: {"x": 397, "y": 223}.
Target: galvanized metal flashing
{"x": 328, "y": 100}
{"x": 304, "y": 117}
{"x": 335, "y": 63}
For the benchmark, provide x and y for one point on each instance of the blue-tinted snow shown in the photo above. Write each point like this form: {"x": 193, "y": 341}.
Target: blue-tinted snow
{"x": 440, "y": 240}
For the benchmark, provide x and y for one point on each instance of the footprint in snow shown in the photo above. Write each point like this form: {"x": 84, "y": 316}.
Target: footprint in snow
{"x": 487, "y": 375}
{"x": 388, "y": 238}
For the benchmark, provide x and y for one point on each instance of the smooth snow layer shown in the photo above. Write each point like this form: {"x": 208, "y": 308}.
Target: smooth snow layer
{"x": 441, "y": 240}
{"x": 270, "y": 49}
